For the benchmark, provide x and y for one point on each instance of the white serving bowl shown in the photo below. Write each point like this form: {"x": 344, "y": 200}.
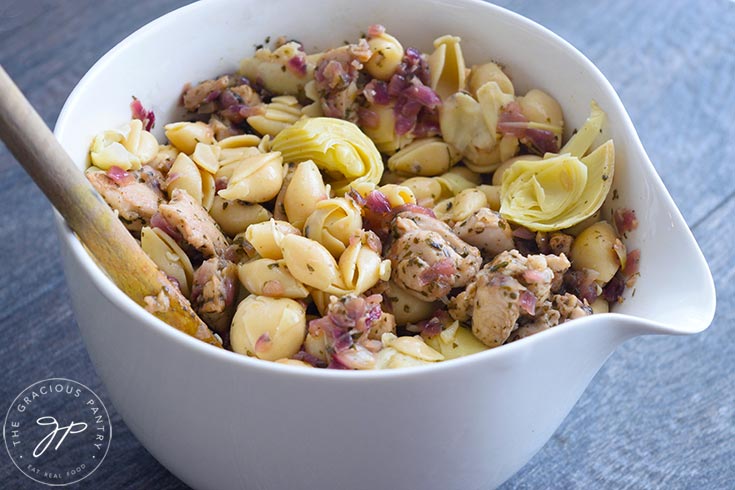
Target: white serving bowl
{"x": 220, "y": 420}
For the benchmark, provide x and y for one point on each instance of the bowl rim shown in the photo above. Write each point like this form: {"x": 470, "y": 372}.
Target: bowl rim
{"x": 119, "y": 299}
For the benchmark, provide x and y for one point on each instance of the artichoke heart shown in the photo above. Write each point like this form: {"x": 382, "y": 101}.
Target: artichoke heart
{"x": 557, "y": 192}
{"x": 343, "y": 152}
{"x": 584, "y": 138}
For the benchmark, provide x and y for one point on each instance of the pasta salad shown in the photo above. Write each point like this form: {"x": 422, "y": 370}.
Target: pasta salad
{"x": 371, "y": 206}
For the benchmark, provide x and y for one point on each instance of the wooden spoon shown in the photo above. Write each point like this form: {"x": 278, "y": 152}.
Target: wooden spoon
{"x": 87, "y": 214}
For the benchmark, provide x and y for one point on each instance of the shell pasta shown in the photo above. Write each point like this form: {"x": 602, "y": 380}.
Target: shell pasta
{"x": 372, "y": 206}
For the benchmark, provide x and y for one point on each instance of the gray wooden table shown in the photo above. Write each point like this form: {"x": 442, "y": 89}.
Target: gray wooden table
{"x": 660, "y": 413}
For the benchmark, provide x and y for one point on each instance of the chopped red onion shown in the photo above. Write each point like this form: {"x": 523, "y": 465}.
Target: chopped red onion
{"x": 427, "y": 125}
{"x": 512, "y": 122}
{"x": 524, "y": 233}
{"x": 542, "y": 140}
{"x": 356, "y": 197}
{"x": 511, "y": 115}
{"x": 347, "y": 318}
{"x": 414, "y": 64}
{"x": 158, "y": 221}
{"x": 414, "y": 101}
{"x": 439, "y": 272}
{"x": 228, "y": 99}
{"x": 212, "y": 96}
{"x": 367, "y": 118}
{"x": 376, "y": 92}
{"x": 229, "y": 290}
{"x": 581, "y": 284}
{"x": 397, "y": 84}
{"x": 377, "y": 203}
{"x": 376, "y": 214}
{"x": 139, "y": 112}
{"x": 613, "y": 290}
{"x": 345, "y": 312}
{"x": 373, "y": 309}
{"x": 625, "y": 220}
{"x": 239, "y": 112}
{"x": 335, "y": 363}
{"x": 423, "y": 95}
{"x": 375, "y": 30}
{"x": 220, "y": 183}
{"x": 119, "y": 176}
{"x": 532, "y": 276}
{"x": 414, "y": 208}
{"x": 409, "y": 109}
{"x": 355, "y": 308}
{"x": 403, "y": 124}
{"x": 331, "y": 109}
{"x": 432, "y": 327}
{"x": 297, "y": 64}
{"x": 343, "y": 342}
{"x": 232, "y": 253}
{"x": 320, "y": 325}
{"x": 304, "y": 356}
{"x": 527, "y": 302}
{"x": 331, "y": 75}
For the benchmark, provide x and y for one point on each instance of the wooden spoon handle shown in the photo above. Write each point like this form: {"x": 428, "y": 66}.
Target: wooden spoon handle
{"x": 86, "y": 213}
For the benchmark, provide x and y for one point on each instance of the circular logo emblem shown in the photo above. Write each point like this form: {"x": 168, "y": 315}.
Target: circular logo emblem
{"x": 57, "y": 431}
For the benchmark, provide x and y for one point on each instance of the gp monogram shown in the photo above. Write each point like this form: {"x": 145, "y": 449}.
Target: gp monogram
{"x": 57, "y": 431}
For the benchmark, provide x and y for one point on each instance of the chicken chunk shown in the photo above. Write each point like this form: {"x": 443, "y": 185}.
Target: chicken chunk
{"x": 203, "y": 92}
{"x": 541, "y": 274}
{"x": 385, "y": 324}
{"x": 493, "y": 303}
{"x": 546, "y": 317}
{"x": 558, "y": 264}
{"x": 134, "y": 195}
{"x": 212, "y": 95}
{"x": 521, "y": 304}
{"x": 213, "y": 294}
{"x": 486, "y": 230}
{"x": 560, "y": 308}
{"x": 570, "y": 307}
{"x": 426, "y": 222}
{"x": 194, "y": 224}
{"x": 428, "y": 259}
{"x": 336, "y": 79}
